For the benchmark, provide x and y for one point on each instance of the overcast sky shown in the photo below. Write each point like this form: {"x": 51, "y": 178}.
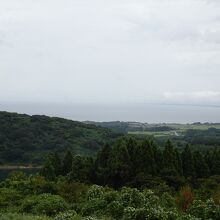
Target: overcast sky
{"x": 96, "y": 51}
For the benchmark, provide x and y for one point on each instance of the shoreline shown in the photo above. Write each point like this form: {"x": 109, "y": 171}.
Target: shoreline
{"x": 17, "y": 167}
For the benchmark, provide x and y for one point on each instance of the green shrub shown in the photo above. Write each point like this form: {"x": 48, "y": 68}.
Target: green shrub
{"x": 131, "y": 213}
{"x": 95, "y": 192}
{"x": 197, "y": 208}
{"x": 15, "y": 216}
{"x": 9, "y": 197}
{"x": 115, "y": 209}
{"x": 72, "y": 192}
{"x": 131, "y": 197}
{"x": 96, "y": 206}
{"x": 46, "y": 204}
{"x": 68, "y": 215}
{"x": 167, "y": 200}
{"x": 212, "y": 211}
{"x": 205, "y": 210}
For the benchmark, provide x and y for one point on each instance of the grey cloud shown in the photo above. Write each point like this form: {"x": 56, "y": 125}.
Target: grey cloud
{"x": 114, "y": 51}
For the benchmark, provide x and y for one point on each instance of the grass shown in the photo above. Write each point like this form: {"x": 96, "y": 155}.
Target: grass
{"x": 179, "y": 130}
{"x": 14, "y": 216}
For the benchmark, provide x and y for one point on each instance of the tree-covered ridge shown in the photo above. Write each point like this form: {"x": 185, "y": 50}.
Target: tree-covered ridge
{"x": 26, "y": 139}
{"x": 136, "y": 163}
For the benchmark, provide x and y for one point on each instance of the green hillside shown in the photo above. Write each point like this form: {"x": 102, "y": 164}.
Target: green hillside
{"x": 28, "y": 139}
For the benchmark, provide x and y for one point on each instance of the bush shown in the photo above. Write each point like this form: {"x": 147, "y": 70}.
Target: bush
{"x": 212, "y": 211}
{"x": 72, "y": 192}
{"x": 131, "y": 213}
{"x": 197, "y": 208}
{"x": 9, "y": 197}
{"x": 116, "y": 209}
{"x": 167, "y": 201}
{"x": 14, "y": 216}
{"x": 44, "y": 204}
{"x": 205, "y": 210}
{"x": 95, "y": 192}
{"x": 69, "y": 215}
{"x": 131, "y": 197}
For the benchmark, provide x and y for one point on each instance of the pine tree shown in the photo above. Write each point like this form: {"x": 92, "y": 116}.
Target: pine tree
{"x": 132, "y": 147}
{"x": 67, "y": 163}
{"x": 215, "y": 162}
{"x": 56, "y": 163}
{"x": 158, "y": 155}
{"x": 120, "y": 165}
{"x": 201, "y": 167}
{"x": 101, "y": 165}
{"x": 188, "y": 162}
{"x": 81, "y": 169}
{"x": 145, "y": 160}
{"x": 48, "y": 170}
{"x": 178, "y": 162}
{"x": 170, "y": 163}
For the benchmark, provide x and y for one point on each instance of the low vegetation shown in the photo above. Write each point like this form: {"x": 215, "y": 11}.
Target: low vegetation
{"x": 130, "y": 180}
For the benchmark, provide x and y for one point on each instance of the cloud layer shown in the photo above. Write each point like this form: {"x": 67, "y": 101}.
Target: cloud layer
{"x": 193, "y": 97}
{"x": 114, "y": 51}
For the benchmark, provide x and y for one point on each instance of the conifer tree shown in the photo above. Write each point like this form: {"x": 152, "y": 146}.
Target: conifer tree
{"x": 201, "y": 167}
{"x": 145, "y": 160}
{"x": 56, "y": 163}
{"x": 48, "y": 170}
{"x": 215, "y": 162}
{"x": 170, "y": 162}
{"x": 178, "y": 162}
{"x": 132, "y": 147}
{"x": 188, "y": 162}
{"x": 81, "y": 169}
{"x": 101, "y": 164}
{"x": 67, "y": 163}
{"x": 120, "y": 165}
{"x": 158, "y": 155}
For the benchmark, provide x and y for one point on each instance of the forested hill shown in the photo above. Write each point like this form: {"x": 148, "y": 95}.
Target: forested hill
{"x": 28, "y": 139}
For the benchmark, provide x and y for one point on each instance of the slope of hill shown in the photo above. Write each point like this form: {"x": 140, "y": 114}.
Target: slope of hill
{"x": 154, "y": 128}
{"x": 201, "y": 136}
{"x": 27, "y": 139}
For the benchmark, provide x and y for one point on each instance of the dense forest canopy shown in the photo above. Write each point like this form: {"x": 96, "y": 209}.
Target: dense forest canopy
{"x": 26, "y": 139}
{"x": 129, "y": 180}
{"x": 135, "y": 163}
{"x": 93, "y": 173}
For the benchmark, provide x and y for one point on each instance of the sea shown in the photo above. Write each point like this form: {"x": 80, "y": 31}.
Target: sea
{"x": 139, "y": 112}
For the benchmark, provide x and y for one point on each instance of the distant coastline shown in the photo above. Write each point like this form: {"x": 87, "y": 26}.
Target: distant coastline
{"x": 21, "y": 167}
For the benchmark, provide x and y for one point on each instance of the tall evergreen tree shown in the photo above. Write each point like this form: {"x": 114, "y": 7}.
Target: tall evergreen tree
{"x": 188, "y": 162}
{"x": 158, "y": 155}
{"x": 120, "y": 165}
{"x": 81, "y": 169}
{"x": 48, "y": 170}
{"x": 132, "y": 147}
{"x": 170, "y": 162}
{"x": 53, "y": 163}
{"x": 201, "y": 167}
{"x": 102, "y": 165}
{"x": 215, "y": 162}
{"x": 56, "y": 163}
{"x": 67, "y": 163}
{"x": 178, "y": 162}
{"x": 146, "y": 161}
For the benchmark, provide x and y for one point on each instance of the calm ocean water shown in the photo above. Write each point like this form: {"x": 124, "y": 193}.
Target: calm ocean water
{"x": 151, "y": 113}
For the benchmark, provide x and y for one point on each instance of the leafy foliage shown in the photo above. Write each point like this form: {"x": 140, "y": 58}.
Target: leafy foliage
{"x": 26, "y": 139}
{"x": 46, "y": 204}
